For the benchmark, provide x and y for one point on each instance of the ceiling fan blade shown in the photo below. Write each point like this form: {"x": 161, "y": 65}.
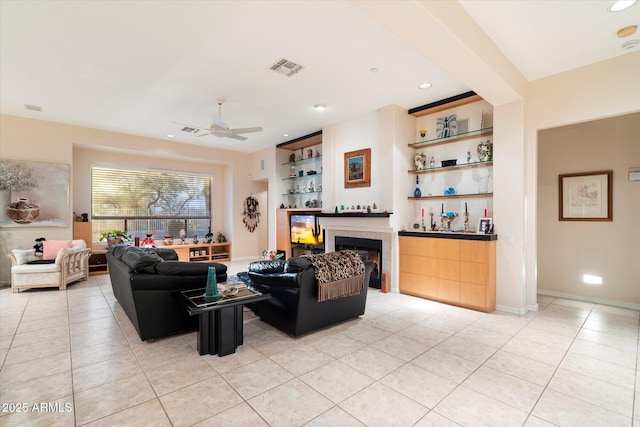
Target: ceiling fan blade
{"x": 247, "y": 130}
{"x": 238, "y": 137}
{"x": 204, "y": 134}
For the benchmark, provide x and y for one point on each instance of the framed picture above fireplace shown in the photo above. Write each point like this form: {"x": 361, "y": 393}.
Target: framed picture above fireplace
{"x": 357, "y": 168}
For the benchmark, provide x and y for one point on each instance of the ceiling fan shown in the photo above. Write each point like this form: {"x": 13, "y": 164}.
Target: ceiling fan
{"x": 222, "y": 130}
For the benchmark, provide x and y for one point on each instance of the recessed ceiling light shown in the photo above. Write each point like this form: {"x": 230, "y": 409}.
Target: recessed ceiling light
{"x": 374, "y": 70}
{"x": 425, "y": 86}
{"x": 621, "y": 5}
{"x": 286, "y": 135}
{"x": 320, "y": 107}
{"x": 170, "y": 136}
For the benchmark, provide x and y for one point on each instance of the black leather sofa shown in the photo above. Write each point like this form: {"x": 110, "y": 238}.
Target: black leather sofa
{"x": 144, "y": 281}
{"x": 293, "y": 307}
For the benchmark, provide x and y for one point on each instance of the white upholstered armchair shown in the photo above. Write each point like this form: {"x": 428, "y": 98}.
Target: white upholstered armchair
{"x": 70, "y": 264}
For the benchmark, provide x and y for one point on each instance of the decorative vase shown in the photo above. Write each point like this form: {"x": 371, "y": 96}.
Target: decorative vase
{"x": 420, "y": 161}
{"x": 485, "y": 151}
{"x": 417, "y": 192}
{"x": 113, "y": 241}
{"x": 167, "y": 241}
{"x": 22, "y": 212}
{"x": 211, "y": 290}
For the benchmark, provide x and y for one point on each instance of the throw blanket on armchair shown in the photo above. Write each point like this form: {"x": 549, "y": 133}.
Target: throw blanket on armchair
{"x": 338, "y": 274}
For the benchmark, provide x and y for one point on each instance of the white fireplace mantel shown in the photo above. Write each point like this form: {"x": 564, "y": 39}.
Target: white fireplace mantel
{"x": 363, "y": 226}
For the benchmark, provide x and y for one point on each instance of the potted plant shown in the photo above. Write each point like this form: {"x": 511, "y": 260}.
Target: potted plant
{"x": 113, "y": 237}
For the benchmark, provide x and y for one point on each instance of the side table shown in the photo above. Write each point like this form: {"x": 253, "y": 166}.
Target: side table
{"x": 220, "y": 322}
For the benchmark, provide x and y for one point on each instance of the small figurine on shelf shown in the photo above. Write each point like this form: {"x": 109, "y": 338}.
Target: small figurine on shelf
{"x": 209, "y": 236}
{"x": 432, "y": 163}
{"x": 195, "y": 239}
{"x": 468, "y": 156}
{"x": 292, "y": 157}
{"x": 221, "y": 237}
{"x": 183, "y": 235}
{"x": 148, "y": 241}
{"x": 309, "y": 153}
{"x": 423, "y": 133}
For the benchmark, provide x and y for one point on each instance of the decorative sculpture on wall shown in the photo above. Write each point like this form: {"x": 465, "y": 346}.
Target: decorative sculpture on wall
{"x": 251, "y": 214}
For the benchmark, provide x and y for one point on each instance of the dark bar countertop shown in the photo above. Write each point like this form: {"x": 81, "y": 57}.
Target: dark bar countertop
{"x": 449, "y": 235}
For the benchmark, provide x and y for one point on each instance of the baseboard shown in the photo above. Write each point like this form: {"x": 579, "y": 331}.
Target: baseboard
{"x": 602, "y": 301}
{"x": 513, "y": 310}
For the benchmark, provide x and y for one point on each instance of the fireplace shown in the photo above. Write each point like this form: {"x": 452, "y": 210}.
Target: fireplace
{"x": 373, "y": 247}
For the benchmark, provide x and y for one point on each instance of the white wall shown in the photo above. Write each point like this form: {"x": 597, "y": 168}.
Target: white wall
{"x": 357, "y": 134}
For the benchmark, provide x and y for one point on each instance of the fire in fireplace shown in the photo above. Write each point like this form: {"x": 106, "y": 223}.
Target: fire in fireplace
{"x": 373, "y": 247}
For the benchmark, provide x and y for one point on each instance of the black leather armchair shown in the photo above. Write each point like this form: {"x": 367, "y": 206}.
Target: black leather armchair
{"x": 144, "y": 281}
{"x": 293, "y": 307}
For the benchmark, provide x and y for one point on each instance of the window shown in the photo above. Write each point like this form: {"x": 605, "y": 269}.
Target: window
{"x": 139, "y": 200}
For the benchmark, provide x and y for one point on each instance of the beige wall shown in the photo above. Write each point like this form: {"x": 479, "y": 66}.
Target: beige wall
{"x": 38, "y": 140}
{"x": 605, "y": 89}
{"x": 569, "y": 249}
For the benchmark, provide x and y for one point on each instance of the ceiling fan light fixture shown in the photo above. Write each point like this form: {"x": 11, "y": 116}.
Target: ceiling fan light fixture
{"x": 320, "y": 107}
{"x": 621, "y": 5}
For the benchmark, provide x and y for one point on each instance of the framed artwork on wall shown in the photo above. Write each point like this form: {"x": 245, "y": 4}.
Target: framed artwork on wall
{"x": 357, "y": 168}
{"x": 33, "y": 194}
{"x": 586, "y": 196}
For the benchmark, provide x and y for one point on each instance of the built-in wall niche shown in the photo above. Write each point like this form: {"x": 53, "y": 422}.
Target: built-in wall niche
{"x": 301, "y": 172}
{"x": 450, "y": 173}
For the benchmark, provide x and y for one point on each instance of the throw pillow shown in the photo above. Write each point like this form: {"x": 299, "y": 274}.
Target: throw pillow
{"x": 24, "y": 255}
{"x": 52, "y": 247}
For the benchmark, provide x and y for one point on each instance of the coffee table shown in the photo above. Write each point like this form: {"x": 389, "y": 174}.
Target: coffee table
{"x": 220, "y": 322}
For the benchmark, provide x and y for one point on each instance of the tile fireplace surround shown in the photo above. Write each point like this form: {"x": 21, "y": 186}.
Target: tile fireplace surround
{"x": 364, "y": 227}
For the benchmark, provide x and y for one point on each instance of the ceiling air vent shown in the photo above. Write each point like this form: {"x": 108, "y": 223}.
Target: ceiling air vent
{"x": 190, "y": 130}
{"x": 286, "y": 67}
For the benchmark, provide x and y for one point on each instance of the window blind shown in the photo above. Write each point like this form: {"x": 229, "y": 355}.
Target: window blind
{"x": 127, "y": 193}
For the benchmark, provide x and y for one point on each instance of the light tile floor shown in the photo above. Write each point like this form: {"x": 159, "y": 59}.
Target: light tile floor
{"x": 406, "y": 362}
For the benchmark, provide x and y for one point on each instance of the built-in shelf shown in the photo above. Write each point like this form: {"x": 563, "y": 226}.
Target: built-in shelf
{"x": 450, "y": 168}
{"x": 455, "y": 138}
{"x": 299, "y": 193}
{"x": 455, "y": 196}
{"x": 295, "y": 178}
{"x": 303, "y": 161}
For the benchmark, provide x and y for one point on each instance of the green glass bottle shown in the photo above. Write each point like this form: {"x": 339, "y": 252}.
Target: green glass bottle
{"x": 211, "y": 291}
